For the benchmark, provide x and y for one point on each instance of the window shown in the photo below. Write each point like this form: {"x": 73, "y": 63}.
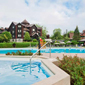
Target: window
{"x": 13, "y": 31}
{"x": 12, "y": 35}
{"x": 19, "y": 26}
{"x": 33, "y": 29}
{"x": 19, "y": 35}
{"x": 13, "y": 27}
{"x": 19, "y": 31}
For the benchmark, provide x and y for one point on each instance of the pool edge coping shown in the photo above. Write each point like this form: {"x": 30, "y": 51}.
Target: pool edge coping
{"x": 60, "y": 77}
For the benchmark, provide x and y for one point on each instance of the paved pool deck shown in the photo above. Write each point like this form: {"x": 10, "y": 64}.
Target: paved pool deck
{"x": 46, "y": 55}
{"x": 60, "y": 55}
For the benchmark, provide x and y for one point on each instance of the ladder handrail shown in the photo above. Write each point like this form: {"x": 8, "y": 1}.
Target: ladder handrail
{"x": 39, "y": 50}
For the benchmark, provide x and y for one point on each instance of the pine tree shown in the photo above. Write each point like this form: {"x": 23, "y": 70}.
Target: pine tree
{"x": 76, "y": 36}
{"x": 27, "y": 36}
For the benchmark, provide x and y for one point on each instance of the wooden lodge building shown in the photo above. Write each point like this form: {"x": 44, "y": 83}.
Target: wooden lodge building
{"x": 18, "y": 30}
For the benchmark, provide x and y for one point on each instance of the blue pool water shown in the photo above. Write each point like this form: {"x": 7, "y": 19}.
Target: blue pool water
{"x": 20, "y": 73}
{"x": 57, "y": 50}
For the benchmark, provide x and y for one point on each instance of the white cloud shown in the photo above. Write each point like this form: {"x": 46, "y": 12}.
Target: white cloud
{"x": 50, "y": 13}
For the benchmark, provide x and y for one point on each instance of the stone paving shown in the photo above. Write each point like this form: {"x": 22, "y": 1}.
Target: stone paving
{"x": 53, "y": 55}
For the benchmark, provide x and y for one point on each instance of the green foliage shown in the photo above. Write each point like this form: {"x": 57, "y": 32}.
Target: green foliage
{"x": 18, "y": 45}
{"x": 35, "y": 40}
{"x": 66, "y": 38}
{"x": 27, "y": 37}
{"x": 56, "y": 34}
{"x": 44, "y": 31}
{"x": 6, "y": 45}
{"x": 7, "y": 36}
{"x": 21, "y": 53}
{"x": 66, "y": 35}
{"x": 74, "y": 42}
{"x": 76, "y": 34}
{"x": 1, "y": 38}
{"x": 75, "y": 67}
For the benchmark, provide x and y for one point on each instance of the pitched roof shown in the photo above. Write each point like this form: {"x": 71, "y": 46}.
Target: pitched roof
{"x": 82, "y": 40}
{"x": 25, "y": 22}
{"x": 6, "y": 27}
{"x": 15, "y": 23}
{"x": 39, "y": 27}
{"x": 26, "y": 25}
{"x": 25, "y": 29}
{"x": 2, "y": 29}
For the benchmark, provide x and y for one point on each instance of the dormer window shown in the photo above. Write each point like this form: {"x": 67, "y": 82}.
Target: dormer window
{"x": 19, "y": 26}
{"x": 13, "y": 27}
{"x": 33, "y": 30}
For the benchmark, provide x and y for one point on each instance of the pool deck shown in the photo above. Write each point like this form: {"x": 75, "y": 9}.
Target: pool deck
{"x": 46, "y": 55}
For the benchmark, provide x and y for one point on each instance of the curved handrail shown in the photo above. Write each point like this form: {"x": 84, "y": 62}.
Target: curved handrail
{"x": 39, "y": 50}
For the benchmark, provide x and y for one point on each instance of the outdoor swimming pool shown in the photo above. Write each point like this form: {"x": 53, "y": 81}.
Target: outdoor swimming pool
{"x": 19, "y": 72}
{"x": 53, "y": 50}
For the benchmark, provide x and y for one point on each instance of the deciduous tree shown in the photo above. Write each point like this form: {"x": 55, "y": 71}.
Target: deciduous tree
{"x": 27, "y": 36}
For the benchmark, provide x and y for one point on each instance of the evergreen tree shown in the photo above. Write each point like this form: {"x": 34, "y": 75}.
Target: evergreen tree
{"x": 27, "y": 36}
{"x": 76, "y": 36}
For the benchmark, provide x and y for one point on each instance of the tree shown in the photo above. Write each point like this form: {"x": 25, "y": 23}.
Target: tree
{"x": 56, "y": 34}
{"x": 7, "y": 36}
{"x": 27, "y": 36}
{"x": 1, "y": 38}
{"x": 76, "y": 34}
{"x": 44, "y": 31}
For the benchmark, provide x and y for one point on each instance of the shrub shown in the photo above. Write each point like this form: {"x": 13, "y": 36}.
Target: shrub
{"x": 8, "y": 53}
{"x": 20, "y": 53}
{"x": 74, "y": 42}
{"x": 75, "y": 67}
{"x": 27, "y": 36}
{"x": 34, "y": 40}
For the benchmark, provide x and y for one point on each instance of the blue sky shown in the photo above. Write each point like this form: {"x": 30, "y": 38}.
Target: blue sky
{"x": 64, "y": 14}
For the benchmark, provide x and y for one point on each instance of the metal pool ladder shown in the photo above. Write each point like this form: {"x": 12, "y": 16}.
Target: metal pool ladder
{"x": 39, "y": 50}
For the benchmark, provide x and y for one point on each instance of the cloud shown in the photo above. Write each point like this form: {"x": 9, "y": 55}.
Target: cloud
{"x": 64, "y": 14}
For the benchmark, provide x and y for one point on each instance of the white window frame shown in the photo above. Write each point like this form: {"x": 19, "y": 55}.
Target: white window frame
{"x": 13, "y": 36}
{"x": 13, "y": 27}
{"x": 19, "y": 35}
{"x": 19, "y": 31}
{"x": 13, "y": 31}
{"x": 19, "y": 26}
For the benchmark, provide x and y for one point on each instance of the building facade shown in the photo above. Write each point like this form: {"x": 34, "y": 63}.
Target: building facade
{"x": 18, "y": 30}
{"x": 83, "y": 35}
{"x": 2, "y": 30}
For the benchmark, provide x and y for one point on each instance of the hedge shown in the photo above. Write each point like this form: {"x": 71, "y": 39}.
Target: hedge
{"x": 22, "y": 44}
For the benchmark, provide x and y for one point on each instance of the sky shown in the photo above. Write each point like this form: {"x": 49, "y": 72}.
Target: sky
{"x": 63, "y": 14}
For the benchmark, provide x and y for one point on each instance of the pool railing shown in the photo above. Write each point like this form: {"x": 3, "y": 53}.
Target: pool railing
{"x": 38, "y": 51}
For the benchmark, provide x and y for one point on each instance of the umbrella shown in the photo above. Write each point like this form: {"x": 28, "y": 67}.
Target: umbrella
{"x": 68, "y": 42}
{"x": 62, "y": 42}
{"x": 56, "y": 43}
